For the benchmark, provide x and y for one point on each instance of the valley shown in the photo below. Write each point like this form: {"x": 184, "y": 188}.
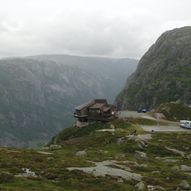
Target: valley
{"x": 38, "y": 93}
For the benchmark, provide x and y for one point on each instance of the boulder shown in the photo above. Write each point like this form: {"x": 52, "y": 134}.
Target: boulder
{"x": 55, "y": 147}
{"x": 185, "y": 185}
{"x": 171, "y": 160}
{"x": 185, "y": 168}
{"x": 175, "y": 151}
{"x": 141, "y": 144}
{"x": 188, "y": 156}
{"x": 50, "y": 158}
{"x": 152, "y": 187}
{"x": 27, "y": 173}
{"x": 140, "y": 155}
{"x": 142, "y": 165}
{"x": 81, "y": 153}
{"x": 121, "y": 140}
{"x": 120, "y": 180}
{"x": 140, "y": 186}
{"x": 141, "y": 137}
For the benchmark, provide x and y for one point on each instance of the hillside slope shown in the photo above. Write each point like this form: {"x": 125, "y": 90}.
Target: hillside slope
{"x": 174, "y": 111}
{"x": 38, "y": 94}
{"x": 163, "y": 73}
{"x": 94, "y": 158}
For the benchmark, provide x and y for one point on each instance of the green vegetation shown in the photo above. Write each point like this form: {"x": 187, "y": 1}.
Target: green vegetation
{"x": 175, "y": 111}
{"x": 50, "y": 166}
{"x": 73, "y": 132}
{"x": 163, "y": 75}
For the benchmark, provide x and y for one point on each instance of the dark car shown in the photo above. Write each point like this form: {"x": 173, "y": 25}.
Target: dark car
{"x": 142, "y": 110}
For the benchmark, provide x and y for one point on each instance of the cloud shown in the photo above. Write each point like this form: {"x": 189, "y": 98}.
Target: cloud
{"x": 115, "y": 28}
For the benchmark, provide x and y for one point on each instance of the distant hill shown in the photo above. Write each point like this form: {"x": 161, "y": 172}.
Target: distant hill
{"x": 163, "y": 73}
{"x": 38, "y": 93}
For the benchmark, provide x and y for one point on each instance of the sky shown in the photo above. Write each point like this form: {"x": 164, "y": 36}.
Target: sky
{"x": 109, "y": 28}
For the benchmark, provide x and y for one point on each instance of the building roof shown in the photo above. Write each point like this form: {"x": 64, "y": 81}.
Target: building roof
{"x": 96, "y": 102}
{"x": 84, "y": 105}
{"x": 105, "y": 109}
{"x": 97, "y": 105}
{"x": 100, "y": 100}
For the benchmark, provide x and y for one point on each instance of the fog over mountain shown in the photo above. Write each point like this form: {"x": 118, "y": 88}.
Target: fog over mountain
{"x": 38, "y": 93}
{"x": 112, "y": 28}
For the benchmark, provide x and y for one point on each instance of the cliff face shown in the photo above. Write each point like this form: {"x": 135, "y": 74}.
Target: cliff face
{"x": 38, "y": 94}
{"x": 163, "y": 73}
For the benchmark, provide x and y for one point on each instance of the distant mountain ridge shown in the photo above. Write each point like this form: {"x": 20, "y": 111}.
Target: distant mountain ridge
{"x": 163, "y": 73}
{"x": 38, "y": 93}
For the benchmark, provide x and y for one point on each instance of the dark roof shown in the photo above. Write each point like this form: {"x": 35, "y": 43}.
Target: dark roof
{"x": 94, "y": 104}
{"x": 111, "y": 106}
{"x": 105, "y": 109}
{"x": 84, "y": 105}
{"x": 97, "y": 105}
{"x": 100, "y": 100}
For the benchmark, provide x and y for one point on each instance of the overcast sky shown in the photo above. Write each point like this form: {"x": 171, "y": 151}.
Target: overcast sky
{"x": 114, "y": 28}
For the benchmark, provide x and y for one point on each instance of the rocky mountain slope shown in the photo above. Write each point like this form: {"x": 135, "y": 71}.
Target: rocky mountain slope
{"x": 38, "y": 94}
{"x": 163, "y": 73}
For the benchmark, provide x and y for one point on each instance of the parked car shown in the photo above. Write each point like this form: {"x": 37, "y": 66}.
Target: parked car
{"x": 185, "y": 124}
{"x": 142, "y": 110}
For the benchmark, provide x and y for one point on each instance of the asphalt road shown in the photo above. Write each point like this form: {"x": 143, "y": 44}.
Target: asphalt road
{"x": 133, "y": 114}
{"x": 164, "y": 128}
{"x": 170, "y": 127}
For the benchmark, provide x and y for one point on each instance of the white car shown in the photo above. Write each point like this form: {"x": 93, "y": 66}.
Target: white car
{"x": 185, "y": 124}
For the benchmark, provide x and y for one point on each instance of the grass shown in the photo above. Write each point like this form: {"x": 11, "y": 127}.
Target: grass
{"x": 52, "y": 168}
{"x": 175, "y": 111}
{"x": 73, "y": 132}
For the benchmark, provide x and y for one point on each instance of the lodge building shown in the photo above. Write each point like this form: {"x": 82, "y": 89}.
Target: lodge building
{"x": 95, "y": 110}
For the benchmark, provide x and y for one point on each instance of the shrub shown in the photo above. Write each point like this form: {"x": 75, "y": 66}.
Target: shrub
{"x": 6, "y": 177}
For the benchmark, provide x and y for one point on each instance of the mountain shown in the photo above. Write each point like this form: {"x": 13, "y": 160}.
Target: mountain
{"x": 38, "y": 93}
{"x": 163, "y": 73}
